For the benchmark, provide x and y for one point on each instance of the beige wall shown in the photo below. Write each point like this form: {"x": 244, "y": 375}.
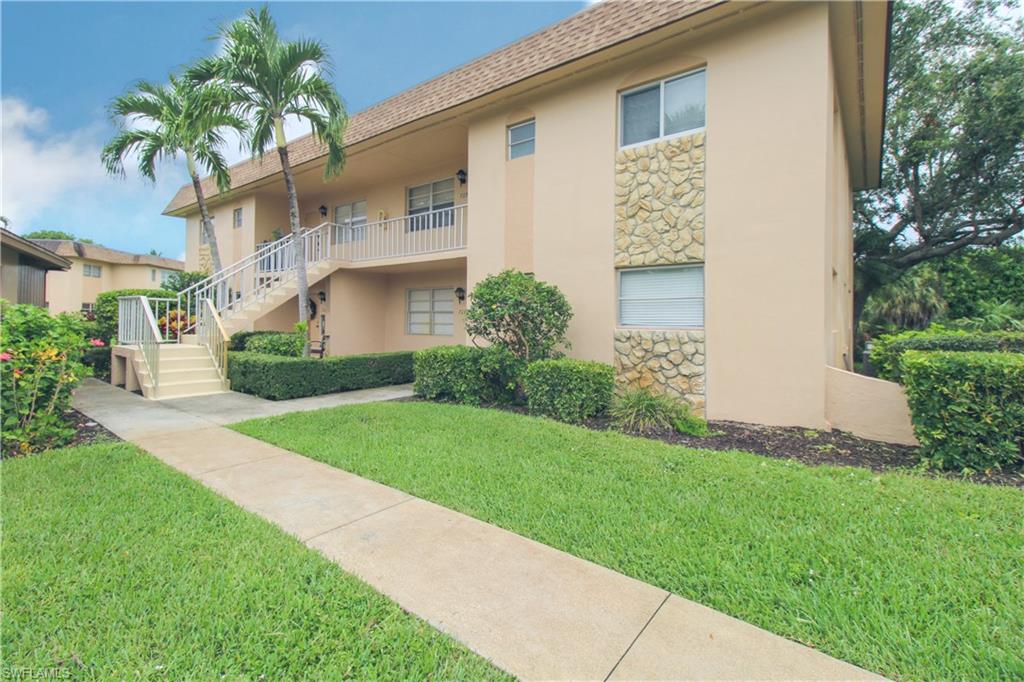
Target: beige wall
{"x": 67, "y": 290}
{"x": 778, "y": 250}
{"x": 868, "y": 407}
{"x": 233, "y": 243}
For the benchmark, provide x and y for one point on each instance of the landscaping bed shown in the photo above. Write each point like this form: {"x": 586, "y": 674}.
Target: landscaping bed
{"x": 117, "y": 567}
{"x": 913, "y": 577}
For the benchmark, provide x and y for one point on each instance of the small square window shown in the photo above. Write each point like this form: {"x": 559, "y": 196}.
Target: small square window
{"x": 236, "y": 218}
{"x": 521, "y": 139}
{"x": 431, "y": 312}
{"x": 90, "y": 270}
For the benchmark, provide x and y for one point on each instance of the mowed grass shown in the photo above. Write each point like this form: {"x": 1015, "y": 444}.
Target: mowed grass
{"x": 117, "y": 567}
{"x": 912, "y": 577}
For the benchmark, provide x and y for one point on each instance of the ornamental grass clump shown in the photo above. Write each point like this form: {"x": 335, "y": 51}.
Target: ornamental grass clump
{"x": 40, "y": 364}
{"x": 640, "y": 411}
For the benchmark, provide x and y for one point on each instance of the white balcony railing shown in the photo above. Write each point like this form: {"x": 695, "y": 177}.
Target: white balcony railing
{"x": 442, "y": 229}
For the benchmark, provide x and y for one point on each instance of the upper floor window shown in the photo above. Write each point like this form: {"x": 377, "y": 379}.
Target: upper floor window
{"x": 350, "y": 221}
{"x": 662, "y": 297}
{"x": 670, "y": 107}
{"x": 236, "y": 218}
{"x": 165, "y": 276}
{"x": 433, "y": 196}
{"x": 521, "y": 139}
{"x": 91, "y": 270}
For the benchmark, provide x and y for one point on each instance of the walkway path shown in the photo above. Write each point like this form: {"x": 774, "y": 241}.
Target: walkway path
{"x": 534, "y": 611}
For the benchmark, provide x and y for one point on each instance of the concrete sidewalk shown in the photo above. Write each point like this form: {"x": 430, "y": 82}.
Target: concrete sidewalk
{"x": 534, "y": 611}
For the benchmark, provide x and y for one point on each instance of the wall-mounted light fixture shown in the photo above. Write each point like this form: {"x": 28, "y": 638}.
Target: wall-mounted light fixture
{"x": 323, "y": 211}
{"x": 461, "y": 175}
{"x": 322, "y": 296}
{"x": 460, "y": 294}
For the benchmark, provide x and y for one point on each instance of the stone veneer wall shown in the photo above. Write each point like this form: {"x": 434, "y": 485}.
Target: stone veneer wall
{"x": 659, "y": 203}
{"x": 659, "y": 220}
{"x": 670, "y": 362}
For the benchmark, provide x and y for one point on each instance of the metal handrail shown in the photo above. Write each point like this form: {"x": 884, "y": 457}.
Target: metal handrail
{"x": 210, "y": 333}
{"x": 442, "y": 229}
{"x": 272, "y": 265}
{"x": 136, "y": 326}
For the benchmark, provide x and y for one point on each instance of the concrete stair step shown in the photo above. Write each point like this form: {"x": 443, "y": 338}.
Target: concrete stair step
{"x": 173, "y": 376}
{"x": 182, "y": 389}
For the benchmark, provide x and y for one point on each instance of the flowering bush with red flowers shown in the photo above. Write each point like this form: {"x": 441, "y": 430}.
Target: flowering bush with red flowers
{"x": 40, "y": 364}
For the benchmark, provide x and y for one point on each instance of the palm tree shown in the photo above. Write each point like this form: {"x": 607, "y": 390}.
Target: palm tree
{"x": 271, "y": 80}
{"x": 162, "y": 121}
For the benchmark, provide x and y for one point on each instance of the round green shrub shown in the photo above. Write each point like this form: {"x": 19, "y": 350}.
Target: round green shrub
{"x": 568, "y": 390}
{"x": 513, "y": 310}
{"x": 288, "y": 344}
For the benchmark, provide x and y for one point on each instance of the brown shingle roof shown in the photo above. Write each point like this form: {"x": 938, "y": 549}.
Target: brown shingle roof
{"x": 72, "y": 249}
{"x": 595, "y": 28}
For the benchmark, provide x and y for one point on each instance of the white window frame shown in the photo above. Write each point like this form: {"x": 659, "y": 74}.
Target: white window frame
{"x": 408, "y": 310}
{"x": 91, "y": 270}
{"x": 355, "y": 234}
{"x": 237, "y": 218}
{"x": 702, "y": 298}
{"x": 509, "y": 143}
{"x": 414, "y": 224}
{"x": 88, "y": 307}
{"x": 661, "y": 109}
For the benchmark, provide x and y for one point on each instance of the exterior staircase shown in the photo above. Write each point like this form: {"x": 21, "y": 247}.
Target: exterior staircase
{"x": 177, "y": 347}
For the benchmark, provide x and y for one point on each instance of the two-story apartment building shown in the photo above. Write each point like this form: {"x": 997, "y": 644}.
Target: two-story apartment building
{"x": 682, "y": 171}
{"x": 96, "y": 269}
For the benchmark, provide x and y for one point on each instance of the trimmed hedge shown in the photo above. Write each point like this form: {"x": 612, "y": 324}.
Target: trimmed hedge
{"x": 465, "y": 374}
{"x": 240, "y": 340}
{"x": 288, "y": 344}
{"x": 967, "y": 407}
{"x": 276, "y": 377}
{"x": 106, "y": 308}
{"x": 887, "y": 349}
{"x": 568, "y": 390}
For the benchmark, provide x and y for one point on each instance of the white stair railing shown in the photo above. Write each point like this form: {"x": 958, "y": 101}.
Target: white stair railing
{"x": 211, "y": 334}
{"x": 272, "y": 265}
{"x": 136, "y": 326}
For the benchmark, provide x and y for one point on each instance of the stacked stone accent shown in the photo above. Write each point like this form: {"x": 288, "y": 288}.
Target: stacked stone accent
{"x": 205, "y": 259}
{"x": 659, "y": 203}
{"x": 659, "y": 220}
{"x": 669, "y": 362}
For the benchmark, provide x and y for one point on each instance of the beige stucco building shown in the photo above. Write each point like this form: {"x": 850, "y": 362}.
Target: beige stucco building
{"x": 96, "y": 269}
{"x": 682, "y": 171}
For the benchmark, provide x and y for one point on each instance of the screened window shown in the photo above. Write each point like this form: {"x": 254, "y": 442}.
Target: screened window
{"x": 236, "y": 218}
{"x": 88, "y": 308}
{"x": 521, "y": 139}
{"x": 350, "y": 222}
{"x": 431, "y": 311}
{"x": 670, "y": 107}
{"x": 662, "y": 297}
{"x": 152, "y": 274}
{"x": 433, "y": 204}
{"x": 91, "y": 270}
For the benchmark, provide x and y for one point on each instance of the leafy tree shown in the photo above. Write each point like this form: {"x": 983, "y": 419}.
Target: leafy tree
{"x": 271, "y": 80}
{"x": 163, "y": 121}
{"x": 55, "y": 234}
{"x": 515, "y": 311}
{"x": 975, "y": 278}
{"x": 953, "y": 163}
{"x": 179, "y": 281}
{"x": 911, "y": 302}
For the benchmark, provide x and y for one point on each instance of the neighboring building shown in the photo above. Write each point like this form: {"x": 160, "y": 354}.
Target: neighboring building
{"x": 682, "y": 171}
{"x": 24, "y": 269}
{"x": 95, "y": 269}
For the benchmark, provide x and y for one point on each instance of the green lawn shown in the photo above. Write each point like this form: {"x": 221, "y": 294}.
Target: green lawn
{"x": 909, "y": 576}
{"x": 116, "y": 567}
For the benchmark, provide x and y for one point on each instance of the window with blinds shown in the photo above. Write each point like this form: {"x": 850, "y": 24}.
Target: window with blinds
{"x": 350, "y": 222}
{"x": 426, "y": 205}
{"x": 662, "y": 297}
{"x": 431, "y": 311}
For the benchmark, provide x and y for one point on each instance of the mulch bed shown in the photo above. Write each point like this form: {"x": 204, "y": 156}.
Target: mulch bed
{"x": 86, "y": 430}
{"x": 808, "y": 446}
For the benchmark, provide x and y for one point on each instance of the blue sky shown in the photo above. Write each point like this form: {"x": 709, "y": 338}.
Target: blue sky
{"x": 62, "y": 62}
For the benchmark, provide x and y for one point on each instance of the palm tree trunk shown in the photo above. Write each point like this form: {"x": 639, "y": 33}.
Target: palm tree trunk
{"x": 300, "y": 253}
{"x": 207, "y": 224}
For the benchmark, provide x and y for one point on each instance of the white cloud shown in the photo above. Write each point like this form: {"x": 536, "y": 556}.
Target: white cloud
{"x": 38, "y": 164}
{"x": 55, "y": 180}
